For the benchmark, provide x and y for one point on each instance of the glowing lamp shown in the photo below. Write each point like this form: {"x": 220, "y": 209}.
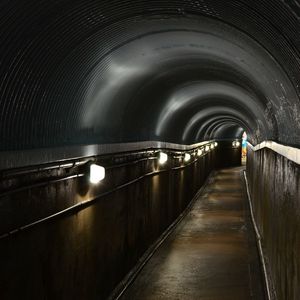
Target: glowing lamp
{"x": 207, "y": 148}
{"x": 200, "y": 152}
{"x": 163, "y": 157}
{"x": 236, "y": 144}
{"x": 97, "y": 173}
{"x": 187, "y": 157}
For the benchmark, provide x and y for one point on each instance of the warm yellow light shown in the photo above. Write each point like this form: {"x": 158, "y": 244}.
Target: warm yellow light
{"x": 97, "y": 173}
{"x": 212, "y": 146}
{"x": 200, "y": 152}
{"x": 216, "y": 144}
{"x": 163, "y": 157}
{"x": 236, "y": 144}
{"x": 207, "y": 148}
{"x": 187, "y": 157}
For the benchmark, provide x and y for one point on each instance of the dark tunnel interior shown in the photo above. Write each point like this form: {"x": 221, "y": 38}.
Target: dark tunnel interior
{"x": 84, "y": 80}
{"x": 90, "y": 72}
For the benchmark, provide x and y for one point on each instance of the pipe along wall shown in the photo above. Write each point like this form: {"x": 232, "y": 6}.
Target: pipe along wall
{"x": 274, "y": 184}
{"x": 84, "y": 252}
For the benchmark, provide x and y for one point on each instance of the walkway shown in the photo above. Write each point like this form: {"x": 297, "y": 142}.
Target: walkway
{"x": 211, "y": 255}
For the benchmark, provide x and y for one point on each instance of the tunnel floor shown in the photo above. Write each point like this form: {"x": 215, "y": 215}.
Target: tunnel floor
{"x": 212, "y": 253}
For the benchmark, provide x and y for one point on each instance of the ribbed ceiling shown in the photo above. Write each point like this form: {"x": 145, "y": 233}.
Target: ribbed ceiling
{"x": 89, "y": 72}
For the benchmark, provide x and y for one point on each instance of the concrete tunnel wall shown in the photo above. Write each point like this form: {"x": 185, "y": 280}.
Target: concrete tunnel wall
{"x": 274, "y": 183}
{"x": 80, "y": 73}
{"x": 84, "y": 253}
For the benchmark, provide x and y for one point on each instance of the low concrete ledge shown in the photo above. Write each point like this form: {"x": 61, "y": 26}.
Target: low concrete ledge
{"x": 289, "y": 152}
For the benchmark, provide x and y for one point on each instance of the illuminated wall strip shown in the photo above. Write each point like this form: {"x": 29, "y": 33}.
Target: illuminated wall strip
{"x": 18, "y": 159}
{"x": 289, "y": 152}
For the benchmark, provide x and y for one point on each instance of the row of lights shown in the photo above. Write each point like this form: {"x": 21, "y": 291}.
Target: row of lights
{"x": 97, "y": 173}
{"x": 163, "y": 157}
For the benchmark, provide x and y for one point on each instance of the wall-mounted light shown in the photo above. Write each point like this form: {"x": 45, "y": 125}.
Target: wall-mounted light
{"x": 187, "y": 157}
{"x": 199, "y": 152}
{"x": 207, "y": 148}
{"x": 216, "y": 144}
{"x": 212, "y": 146}
{"x": 97, "y": 173}
{"x": 163, "y": 157}
{"x": 236, "y": 144}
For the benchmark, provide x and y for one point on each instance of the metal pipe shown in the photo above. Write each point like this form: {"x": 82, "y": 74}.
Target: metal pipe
{"x": 85, "y": 203}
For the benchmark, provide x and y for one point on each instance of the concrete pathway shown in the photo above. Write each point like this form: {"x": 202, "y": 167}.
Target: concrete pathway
{"x": 212, "y": 253}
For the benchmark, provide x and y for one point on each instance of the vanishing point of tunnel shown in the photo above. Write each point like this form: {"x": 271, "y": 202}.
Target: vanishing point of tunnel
{"x": 150, "y": 149}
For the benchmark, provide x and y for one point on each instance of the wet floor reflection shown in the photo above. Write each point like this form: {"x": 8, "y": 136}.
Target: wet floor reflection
{"x": 211, "y": 255}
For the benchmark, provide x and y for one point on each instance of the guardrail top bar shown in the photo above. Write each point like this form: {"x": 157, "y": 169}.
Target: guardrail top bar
{"x": 18, "y": 159}
{"x": 289, "y": 152}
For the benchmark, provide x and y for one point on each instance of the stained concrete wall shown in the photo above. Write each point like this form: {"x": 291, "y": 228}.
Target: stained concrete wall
{"x": 85, "y": 252}
{"x": 274, "y": 184}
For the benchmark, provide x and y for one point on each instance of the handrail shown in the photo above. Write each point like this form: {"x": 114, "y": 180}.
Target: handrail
{"x": 85, "y": 203}
{"x": 289, "y": 152}
{"x": 25, "y": 158}
{"x": 78, "y": 173}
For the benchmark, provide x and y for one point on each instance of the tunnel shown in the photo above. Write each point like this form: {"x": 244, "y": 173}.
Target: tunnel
{"x": 150, "y": 149}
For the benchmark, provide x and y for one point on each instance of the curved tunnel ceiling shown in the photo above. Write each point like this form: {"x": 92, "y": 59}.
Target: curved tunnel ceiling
{"x": 226, "y": 131}
{"x": 89, "y": 72}
{"x": 212, "y": 123}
